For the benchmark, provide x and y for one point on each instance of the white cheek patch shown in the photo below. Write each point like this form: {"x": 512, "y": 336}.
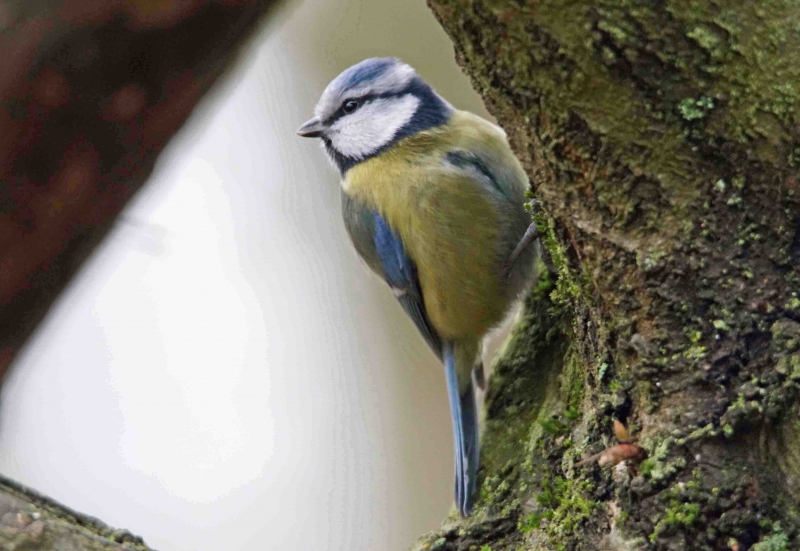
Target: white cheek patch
{"x": 372, "y": 126}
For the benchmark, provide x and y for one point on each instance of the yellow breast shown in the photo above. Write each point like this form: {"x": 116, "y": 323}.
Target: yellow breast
{"x": 447, "y": 222}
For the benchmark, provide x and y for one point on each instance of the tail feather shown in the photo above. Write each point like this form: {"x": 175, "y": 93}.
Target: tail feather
{"x": 464, "y": 414}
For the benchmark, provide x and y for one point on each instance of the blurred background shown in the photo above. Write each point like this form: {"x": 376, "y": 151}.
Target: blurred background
{"x": 224, "y": 373}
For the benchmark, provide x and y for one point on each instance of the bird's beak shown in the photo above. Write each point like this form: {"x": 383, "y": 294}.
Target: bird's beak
{"x": 311, "y": 129}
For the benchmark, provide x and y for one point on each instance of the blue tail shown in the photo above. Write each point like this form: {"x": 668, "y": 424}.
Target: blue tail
{"x": 464, "y": 414}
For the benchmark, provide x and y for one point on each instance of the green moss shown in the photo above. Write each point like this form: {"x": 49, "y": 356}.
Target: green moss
{"x": 615, "y": 30}
{"x": 569, "y": 286}
{"x": 552, "y": 426}
{"x": 523, "y": 391}
{"x": 776, "y": 541}
{"x": 707, "y": 40}
{"x": 693, "y": 109}
{"x": 677, "y": 516}
{"x": 651, "y": 260}
{"x": 721, "y": 325}
{"x": 727, "y": 430}
{"x": 532, "y": 521}
{"x": 573, "y": 377}
{"x": 707, "y": 430}
{"x": 789, "y": 366}
{"x": 785, "y": 335}
{"x": 564, "y": 507}
{"x": 695, "y": 352}
{"x": 660, "y": 466}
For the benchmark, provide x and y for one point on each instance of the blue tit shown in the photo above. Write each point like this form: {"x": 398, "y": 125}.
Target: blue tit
{"x": 433, "y": 200}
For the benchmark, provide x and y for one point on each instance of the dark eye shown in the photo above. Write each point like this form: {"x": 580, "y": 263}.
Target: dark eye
{"x": 350, "y": 105}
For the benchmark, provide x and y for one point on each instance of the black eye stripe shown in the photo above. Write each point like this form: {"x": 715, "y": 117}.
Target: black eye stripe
{"x": 362, "y": 101}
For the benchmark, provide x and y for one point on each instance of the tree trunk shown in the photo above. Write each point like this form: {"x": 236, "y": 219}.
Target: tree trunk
{"x": 662, "y": 142}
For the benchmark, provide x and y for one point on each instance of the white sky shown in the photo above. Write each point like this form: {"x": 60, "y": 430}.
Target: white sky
{"x": 224, "y": 374}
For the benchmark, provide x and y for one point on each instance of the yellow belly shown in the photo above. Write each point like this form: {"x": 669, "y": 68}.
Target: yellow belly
{"x": 448, "y": 227}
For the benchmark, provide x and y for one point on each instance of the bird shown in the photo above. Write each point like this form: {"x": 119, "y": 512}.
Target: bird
{"x": 433, "y": 200}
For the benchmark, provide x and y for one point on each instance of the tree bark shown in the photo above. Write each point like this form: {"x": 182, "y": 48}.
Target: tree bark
{"x": 91, "y": 91}
{"x": 29, "y": 521}
{"x": 662, "y": 143}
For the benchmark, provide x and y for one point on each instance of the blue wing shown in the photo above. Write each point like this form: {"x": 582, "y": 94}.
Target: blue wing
{"x": 384, "y": 253}
{"x": 400, "y": 273}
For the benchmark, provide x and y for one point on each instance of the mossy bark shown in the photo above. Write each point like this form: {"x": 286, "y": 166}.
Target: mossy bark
{"x": 662, "y": 141}
{"x": 29, "y": 521}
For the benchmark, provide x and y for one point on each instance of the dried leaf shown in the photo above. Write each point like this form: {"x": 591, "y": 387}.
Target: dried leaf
{"x": 619, "y": 453}
{"x": 621, "y": 432}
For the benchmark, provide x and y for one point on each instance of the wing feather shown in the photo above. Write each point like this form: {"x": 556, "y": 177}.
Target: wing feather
{"x": 384, "y": 253}
{"x": 401, "y": 275}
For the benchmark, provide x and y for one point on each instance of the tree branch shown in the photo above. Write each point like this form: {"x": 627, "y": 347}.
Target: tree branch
{"x": 91, "y": 91}
{"x": 29, "y": 520}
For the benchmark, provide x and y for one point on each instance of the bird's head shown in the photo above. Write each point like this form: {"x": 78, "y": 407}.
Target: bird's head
{"x": 371, "y": 106}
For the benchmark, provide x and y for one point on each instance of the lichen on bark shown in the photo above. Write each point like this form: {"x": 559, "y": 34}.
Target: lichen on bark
{"x": 661, "y": 140}
{"x": 30, "y": 521}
